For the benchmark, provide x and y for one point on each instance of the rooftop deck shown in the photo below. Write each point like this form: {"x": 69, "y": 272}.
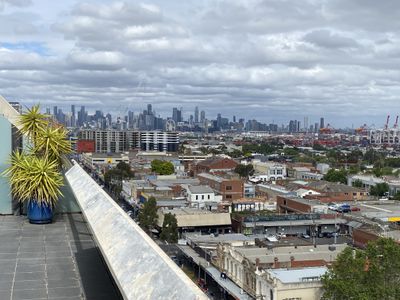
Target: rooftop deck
{"x": 55, "y": 261}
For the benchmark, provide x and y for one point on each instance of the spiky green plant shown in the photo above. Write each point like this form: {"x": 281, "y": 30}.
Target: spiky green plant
{"x": 34, "y": 178}
{"x": 52, "y": 143}
{"x": 35, "y": 174}
{"x": 32, "y": 123}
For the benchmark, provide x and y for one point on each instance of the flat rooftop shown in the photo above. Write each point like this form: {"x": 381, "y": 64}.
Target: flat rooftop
{"x": 208, "y": 238}
{"x": 200, "y": 189}
{"x": 383, "y": 210}
{"x": 298, "y": 275}
{"x": 284, "y": 254}
{"x": 54, "y": 261}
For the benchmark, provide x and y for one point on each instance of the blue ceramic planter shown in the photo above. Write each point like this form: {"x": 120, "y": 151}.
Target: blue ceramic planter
{"x": 39, "y": 213}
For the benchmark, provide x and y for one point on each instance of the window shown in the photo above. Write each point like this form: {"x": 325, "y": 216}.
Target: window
{"x": 202, "y": 197}
{"x": 228, "y": 187}
{"x": 197, "y": 197}
{"x": 228, "y": 196}
{"x": 208, "y": 197}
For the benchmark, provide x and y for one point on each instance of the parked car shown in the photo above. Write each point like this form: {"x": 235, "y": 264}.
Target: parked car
{"x": 333, "y": 207}
{"x": 305, "y": 236}
{"x": 354, "y": 208}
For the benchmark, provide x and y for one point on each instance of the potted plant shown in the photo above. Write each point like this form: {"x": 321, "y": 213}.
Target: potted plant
{"x": 35, "y": 173}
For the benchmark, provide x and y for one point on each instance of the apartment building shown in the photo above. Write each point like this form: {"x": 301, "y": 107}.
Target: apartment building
{"x": 116, "y": 141}
{"x": 159, "y": 141}
{"x": 110, "y": 141}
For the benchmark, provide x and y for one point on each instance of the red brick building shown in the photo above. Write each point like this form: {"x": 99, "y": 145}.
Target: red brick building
{"x": 215, "y": 165}
{"x": 229, "y": 188}
{"x": 85, "y": 146}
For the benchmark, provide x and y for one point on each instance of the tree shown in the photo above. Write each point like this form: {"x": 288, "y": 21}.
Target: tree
{"x": 357, "y": 183}
{"x": 169, "y": 231}
{"x": 373, "y": 273}
{"x": 125, "y": 168}
{"x": 336, "y": 176}
{"x": 148, "y": 214}
{"x": 291, "y": 151}
{"x": 318, "y": 147}
{"x": 162, "y": 167}
{"x": 380, "y": 189}
{"x": 244, "y": 170}
{"x": 397, "y": 196}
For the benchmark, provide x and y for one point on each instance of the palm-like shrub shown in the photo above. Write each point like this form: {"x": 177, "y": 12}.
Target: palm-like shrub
{"x": 51, "y": 142}
{"x": 35, "y": 174}
{"x": 32, "y": 123}
{"x": 35, "y": 178}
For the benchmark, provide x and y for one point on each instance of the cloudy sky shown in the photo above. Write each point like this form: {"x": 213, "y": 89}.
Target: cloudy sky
{"x": 272, "y": 60}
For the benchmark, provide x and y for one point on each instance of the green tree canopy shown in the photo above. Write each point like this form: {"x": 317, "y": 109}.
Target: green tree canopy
{"x": 379, "y": 189}
{"x": 357, "y": 183}
{"x": 169, "y": 231}
{"x": 397, "y": 196}
{"x": 244, "y": 170}
{"x": 370, "y": 274}
{"x": 318, "y": 147}
{"x": 336, "y": 176}
{"x": 262, "y": 148}
{"x": 148, "y": 214}
{"x": 162, "y": 167}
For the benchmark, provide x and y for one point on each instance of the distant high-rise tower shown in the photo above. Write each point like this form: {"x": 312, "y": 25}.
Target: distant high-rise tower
{"x": 177, "y": 115}
{"x": 55, "y": 111}
{"x": 130, "y": 119}
{"x": 196, "y": 115}
{"x": 322, "y": 123}
{"x": 202, "y": 116}
{"x": 305, "y": 124}
{"x": 234, "y": 119}
{"x": 149, "y": 109}
{"x": 219, "y": 121}
{"x": 73, "y": 117}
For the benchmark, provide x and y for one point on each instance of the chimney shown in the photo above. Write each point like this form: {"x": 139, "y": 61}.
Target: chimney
{"x": 276, "y": 263}
{"x": 291, "y": 261}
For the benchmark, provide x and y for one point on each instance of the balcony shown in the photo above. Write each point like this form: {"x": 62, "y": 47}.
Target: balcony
{"x": 55, "y": 261}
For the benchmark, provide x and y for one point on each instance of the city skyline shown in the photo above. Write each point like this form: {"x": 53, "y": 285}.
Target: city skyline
{"x": 267, "y": 60}
{"x": 148, "y": 119}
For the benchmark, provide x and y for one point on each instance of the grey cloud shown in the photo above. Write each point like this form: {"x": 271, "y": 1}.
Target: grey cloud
{"x": 257, "y": 59}
{"x": 325, "y": 38}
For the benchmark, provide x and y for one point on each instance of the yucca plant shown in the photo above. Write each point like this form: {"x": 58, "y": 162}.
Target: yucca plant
{"x": 32, "y": 123}
{"x": 35, "y": 178}
{"x": 52, "y": 143}
{"x": 35, "y": 174}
